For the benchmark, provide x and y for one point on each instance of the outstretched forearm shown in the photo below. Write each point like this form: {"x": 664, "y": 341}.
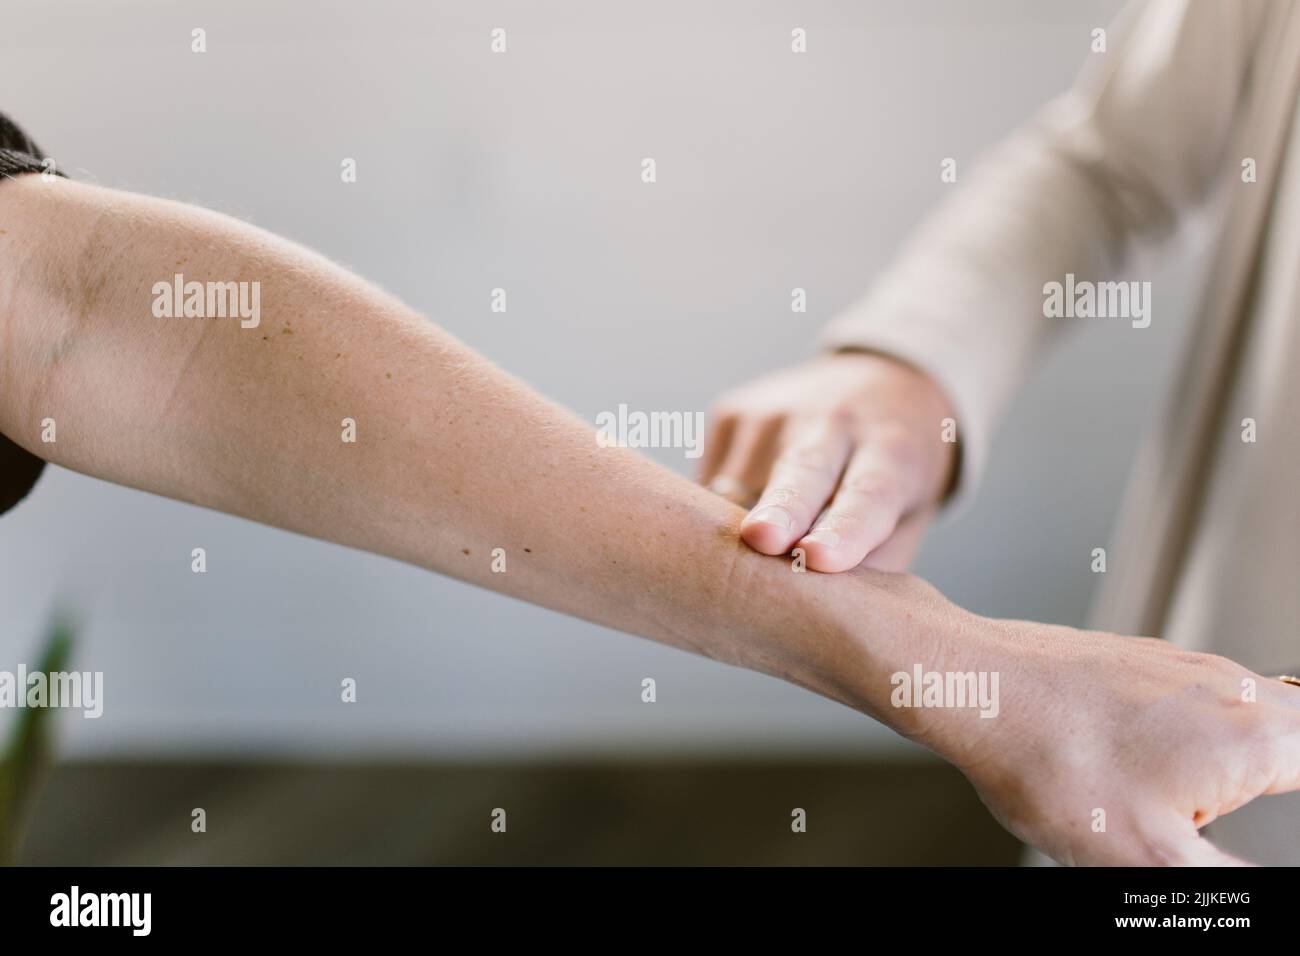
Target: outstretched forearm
{"x": 452, "y": 459}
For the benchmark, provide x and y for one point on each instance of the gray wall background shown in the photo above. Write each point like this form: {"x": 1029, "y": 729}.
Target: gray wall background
{"x": 521, "y": 171}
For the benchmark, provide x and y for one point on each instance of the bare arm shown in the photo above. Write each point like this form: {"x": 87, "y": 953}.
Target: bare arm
{"x": 454, "y": 458}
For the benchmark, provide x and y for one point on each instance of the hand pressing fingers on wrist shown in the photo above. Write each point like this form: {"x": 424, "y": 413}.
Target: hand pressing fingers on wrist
{"x": 801, "y": 481}
{"x": 877, "y": 490}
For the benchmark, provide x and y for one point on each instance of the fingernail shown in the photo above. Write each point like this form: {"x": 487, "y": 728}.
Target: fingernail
{"x": 824, "y": 536}
{"x": 773, "y": 515}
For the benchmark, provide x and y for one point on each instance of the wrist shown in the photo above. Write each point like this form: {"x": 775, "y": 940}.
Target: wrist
{"x": 907, "y": 656}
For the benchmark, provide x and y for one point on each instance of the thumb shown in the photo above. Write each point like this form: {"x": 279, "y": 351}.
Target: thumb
{"x": 1178, "y": 843}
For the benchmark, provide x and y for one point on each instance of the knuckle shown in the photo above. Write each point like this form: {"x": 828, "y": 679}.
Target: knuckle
{"x": 807, "y": 458}
{"x": 787, "y": 496}
{"x": 895, "y": 440}
{"x": 890, "y": 433}
{"x": 843, "y": 519}
{"x": 842, "y": 416}
{"x": 876, "y": 485}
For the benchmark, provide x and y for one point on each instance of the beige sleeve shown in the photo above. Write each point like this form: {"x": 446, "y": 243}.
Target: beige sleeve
{"x": 1138, "y": 141}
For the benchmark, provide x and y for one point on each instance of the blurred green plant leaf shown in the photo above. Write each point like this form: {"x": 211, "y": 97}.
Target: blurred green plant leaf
{"x": 29, "y": 753}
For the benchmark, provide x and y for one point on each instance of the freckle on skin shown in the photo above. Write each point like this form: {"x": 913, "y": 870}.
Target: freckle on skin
{"x": 388, "y": 375}
{"x": 464, "y": 550}
{"x": 528, "y": 550}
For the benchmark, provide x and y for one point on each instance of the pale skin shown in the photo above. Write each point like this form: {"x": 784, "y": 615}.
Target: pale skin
{"x": 454, "y": 458}
{"x": 841, "y": 456}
